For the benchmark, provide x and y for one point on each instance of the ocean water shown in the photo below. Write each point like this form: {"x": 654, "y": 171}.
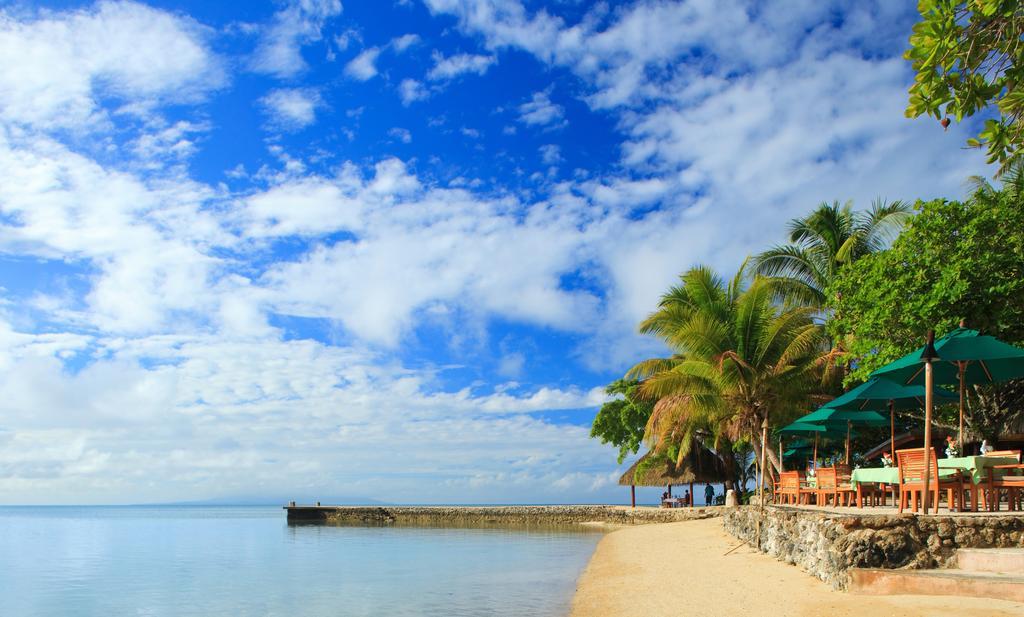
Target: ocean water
{"x": 210, "y": 561}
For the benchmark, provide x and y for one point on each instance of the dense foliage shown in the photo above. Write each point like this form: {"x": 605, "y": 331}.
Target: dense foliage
{"x": 969, "y": 57}
{"x": 621, "y": 421}
{"x": 955, "y": 260}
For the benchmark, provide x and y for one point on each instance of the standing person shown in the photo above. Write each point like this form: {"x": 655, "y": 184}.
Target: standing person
{"x": 709, "y": 494}
{"x": 686, "y": 499}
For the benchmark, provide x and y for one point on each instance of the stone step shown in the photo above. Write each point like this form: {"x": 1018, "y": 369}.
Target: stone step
{"x": 1009, "y": 560}
{"x": 962, "y": 583}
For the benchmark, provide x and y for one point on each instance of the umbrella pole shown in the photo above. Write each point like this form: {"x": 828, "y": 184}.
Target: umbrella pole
{"x": 815, "y": 466}
{"x": 929, "y": 383}
{"x": 848, "y": 423}
{"x": 780, "y": 453}
{"x": 892, "y": 429}
{"x": 960, "y": 436}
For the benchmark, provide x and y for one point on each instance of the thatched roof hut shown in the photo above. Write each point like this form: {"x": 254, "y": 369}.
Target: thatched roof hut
{"x": 700, "y": 465}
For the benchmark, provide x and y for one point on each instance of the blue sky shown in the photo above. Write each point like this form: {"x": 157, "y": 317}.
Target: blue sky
{"x": 393, "y": 250}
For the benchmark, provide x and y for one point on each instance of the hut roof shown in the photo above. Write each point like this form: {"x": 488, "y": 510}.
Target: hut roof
{"x": 700, "y": 465}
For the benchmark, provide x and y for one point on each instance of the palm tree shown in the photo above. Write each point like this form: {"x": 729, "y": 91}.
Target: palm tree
{"x": 983, "y": 193}
{"x": 824, "y": 240}
{"x": 739, "y": 359}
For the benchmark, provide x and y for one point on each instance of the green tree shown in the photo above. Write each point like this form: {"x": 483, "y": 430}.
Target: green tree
{"x": 823, "y": 241}
{"x": 954, "y": 261}
{"x": 969, "y": 56}
{"x": 739, "y": 359}
{"x": 621, "y": 421}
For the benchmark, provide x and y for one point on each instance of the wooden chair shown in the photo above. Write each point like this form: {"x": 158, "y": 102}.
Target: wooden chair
{"x": 984, "y": 490}
{"x": 791, "y": 489}
{"x": 826, "y": 486}
{"x": 911, "y": 479}
{"x": 1012, "y": 482}
{"x": 843, "y": 486}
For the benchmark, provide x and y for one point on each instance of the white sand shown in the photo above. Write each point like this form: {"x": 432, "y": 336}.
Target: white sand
{"x": 680, "y": 569}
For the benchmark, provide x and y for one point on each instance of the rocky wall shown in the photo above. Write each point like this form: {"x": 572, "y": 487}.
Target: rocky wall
{"x": 828, "y": 544}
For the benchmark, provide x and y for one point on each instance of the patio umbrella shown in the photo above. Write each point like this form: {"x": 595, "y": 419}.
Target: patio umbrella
{"x": 824, "y": 429}
{"x": 829, "y": 416}
{"x": 877, "y": 394}
{"x": 963, "y": 356}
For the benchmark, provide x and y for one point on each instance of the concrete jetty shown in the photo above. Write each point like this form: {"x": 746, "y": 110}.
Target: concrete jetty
{"x": 493, "y": 516}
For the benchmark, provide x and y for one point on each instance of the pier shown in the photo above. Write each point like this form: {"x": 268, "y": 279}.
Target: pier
{"x": 492, "y": 516}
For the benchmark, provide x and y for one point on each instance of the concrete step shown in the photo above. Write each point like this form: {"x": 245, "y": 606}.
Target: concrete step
{"x": 995, "y": 585}
{"x": 1009, "y": 560}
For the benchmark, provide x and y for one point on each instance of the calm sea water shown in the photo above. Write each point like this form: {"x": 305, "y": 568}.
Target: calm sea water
{"x": 207, "y": 561}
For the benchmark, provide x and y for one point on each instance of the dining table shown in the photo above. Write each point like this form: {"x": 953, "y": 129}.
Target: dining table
{"x": 974, "y": 468}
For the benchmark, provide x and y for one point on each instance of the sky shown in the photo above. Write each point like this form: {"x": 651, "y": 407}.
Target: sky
{"x": 393, "y": 251}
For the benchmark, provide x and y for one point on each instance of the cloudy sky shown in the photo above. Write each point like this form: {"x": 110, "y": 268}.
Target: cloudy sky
{"x": 373, "y": 250}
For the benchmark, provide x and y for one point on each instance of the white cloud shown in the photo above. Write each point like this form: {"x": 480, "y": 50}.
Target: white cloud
{"x": 459, "y": 64}
{"x": 402, "y": 135}
{"x": 541, "y": 111}
{"x": 142, "y": 240}
{"x": 167, "y": 143}
{"x": 411, "y": 91}
{"x": 292, "y": 108}
{"x": 58, "y": 66}
{"x": 170, "y": 418}
{"x": 404, "y": 42}
{"x": 299, "y": 23}
{"x": 346, "y": 38}
{"x": 550, "y": 154}
{"x": 363, "y": 66}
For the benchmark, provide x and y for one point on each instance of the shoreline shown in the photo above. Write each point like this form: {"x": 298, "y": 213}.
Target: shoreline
{"x": 682, "y": 568}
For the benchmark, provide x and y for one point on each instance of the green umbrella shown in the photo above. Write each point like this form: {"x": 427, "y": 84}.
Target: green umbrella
{"x": 880, "y": 393}
{"x": 827, "y": 416}
{"x": 823, "y": 429}
{"x": 963, "y": 356}
{"x": 831, "y": 416}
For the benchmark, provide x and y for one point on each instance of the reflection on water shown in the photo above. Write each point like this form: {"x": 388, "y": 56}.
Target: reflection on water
{"x": 201, "y": 561}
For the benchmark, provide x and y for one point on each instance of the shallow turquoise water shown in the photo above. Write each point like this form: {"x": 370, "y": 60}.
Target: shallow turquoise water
{"x": 205, "y": 561}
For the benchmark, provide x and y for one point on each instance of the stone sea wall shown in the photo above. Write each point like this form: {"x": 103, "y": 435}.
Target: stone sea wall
{"x": 495, "y": 516}
{"x": 827, "y": 544}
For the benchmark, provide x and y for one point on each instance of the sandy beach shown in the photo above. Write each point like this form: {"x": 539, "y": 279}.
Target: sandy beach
{"x": 681, "y": 569}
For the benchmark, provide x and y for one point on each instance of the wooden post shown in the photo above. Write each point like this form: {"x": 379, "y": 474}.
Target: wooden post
{"x": 848, "y": 423}
{"x": 632, "y": 494}
{"x": 781, "y": 463}
{"x": 815, "y": 466}
{"x": 691, "y": 493}
{"x": 670, "y": 491}
{"x": 962, "y": 366}
{"x": 929, "y": 383}
{"x": 892, "y": 429}
{"x": 764, "y": 455}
